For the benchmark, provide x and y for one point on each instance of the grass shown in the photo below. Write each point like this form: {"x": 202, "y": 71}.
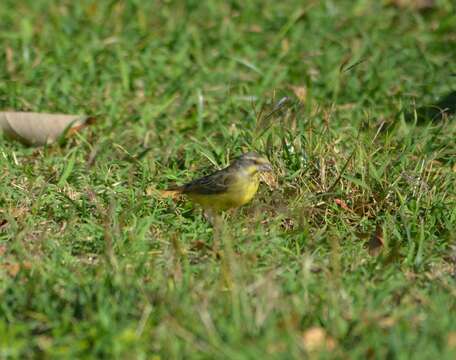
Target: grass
{"x": 95, "y": 264}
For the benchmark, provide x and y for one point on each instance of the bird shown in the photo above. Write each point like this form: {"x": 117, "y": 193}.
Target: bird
{"x": 227, "y": 188}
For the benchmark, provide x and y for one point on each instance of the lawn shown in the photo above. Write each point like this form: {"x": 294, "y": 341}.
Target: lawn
{"x": 351, "y": 254}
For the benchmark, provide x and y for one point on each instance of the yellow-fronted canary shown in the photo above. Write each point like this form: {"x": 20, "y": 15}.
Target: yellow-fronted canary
{"x": 230, "y": 187}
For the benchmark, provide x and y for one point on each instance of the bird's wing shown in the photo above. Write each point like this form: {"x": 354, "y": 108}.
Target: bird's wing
{"x": 216, "y": 183}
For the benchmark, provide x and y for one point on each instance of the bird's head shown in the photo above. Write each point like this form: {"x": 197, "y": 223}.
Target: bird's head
{"x": 253, "y": 163}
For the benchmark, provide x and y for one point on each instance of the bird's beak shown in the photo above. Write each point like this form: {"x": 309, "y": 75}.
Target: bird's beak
{"x": 265, "y": 168}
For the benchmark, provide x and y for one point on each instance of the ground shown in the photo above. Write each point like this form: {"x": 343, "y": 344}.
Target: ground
{"x": 349, "y": 255}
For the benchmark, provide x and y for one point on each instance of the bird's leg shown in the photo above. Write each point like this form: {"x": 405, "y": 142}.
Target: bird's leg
{"x": 231, "y": 212}
{"x": 217, "y": 223}
{"x": 209, "y": 215}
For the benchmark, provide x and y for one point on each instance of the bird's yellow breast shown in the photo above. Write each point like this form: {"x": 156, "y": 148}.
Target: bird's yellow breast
{"x": 238, "y": 193}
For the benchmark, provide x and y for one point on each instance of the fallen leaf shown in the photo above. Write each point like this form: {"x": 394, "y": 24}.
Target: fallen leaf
{"x": 40, "y": 128}
{"x": 316, "y": 338}
{"x": 376, "y": 242}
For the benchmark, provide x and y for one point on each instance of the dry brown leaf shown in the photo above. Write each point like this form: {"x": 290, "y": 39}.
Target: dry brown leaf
{"x": 376, "y": 242}
{"x": 316, "y": 338}
{"x": 40, "y": 128}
